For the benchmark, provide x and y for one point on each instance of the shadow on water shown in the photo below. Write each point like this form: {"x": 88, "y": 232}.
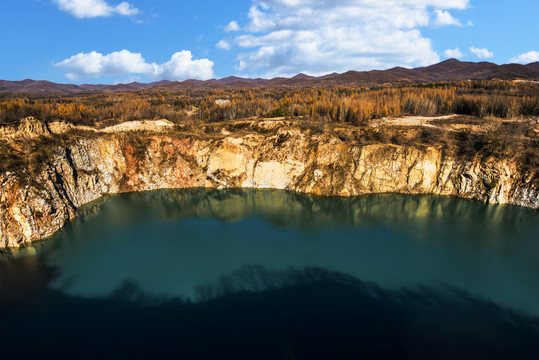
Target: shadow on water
{"x": 307, "y": 313}
{"x": 170, "y": 274}
{"x": 171, "y": 242}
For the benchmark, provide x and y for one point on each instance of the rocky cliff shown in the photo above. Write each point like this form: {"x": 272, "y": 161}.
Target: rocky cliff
{"x": 258, "y": 154}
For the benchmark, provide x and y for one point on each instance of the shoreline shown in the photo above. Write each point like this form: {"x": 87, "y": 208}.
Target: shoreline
{"x": 276, "y": 154}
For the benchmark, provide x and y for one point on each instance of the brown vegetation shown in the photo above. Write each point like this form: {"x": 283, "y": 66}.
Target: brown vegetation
{"x": 346, "y": 112}
{"x": 502, "y": 99}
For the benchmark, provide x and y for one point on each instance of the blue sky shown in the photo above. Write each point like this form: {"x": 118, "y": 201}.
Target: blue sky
{"x": 110, "y": 41}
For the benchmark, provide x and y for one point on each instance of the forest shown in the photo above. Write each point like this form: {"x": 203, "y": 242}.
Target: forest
{"x": 339, "y": 104}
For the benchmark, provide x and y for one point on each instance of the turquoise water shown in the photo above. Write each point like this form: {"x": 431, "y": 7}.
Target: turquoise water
{"x": 173, "y": 243}
{"x": 200, "y": 247}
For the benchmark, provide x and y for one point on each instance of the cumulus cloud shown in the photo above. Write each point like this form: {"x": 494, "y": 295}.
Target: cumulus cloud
{"x": 481, "y": 53}
{"x": 180, "y": 66}
{"x": 444, "y": 18}
{"x": 453, "y": 53}
{"x": 223, "y": 45}
{"x": 526, "y": 58}
{"x": 232, "y": 26}
{"x": 94, "y": 8}
{"x": 284, "y": 37}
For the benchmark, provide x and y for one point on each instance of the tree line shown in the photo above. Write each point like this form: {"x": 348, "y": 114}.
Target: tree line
{"x": 358, "y": 106}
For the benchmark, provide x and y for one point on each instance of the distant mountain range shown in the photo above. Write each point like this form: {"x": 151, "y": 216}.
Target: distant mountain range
{"x": 449, "y": 70}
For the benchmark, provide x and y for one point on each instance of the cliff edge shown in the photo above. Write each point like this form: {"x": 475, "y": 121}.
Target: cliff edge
{"x": 71, "y": 166}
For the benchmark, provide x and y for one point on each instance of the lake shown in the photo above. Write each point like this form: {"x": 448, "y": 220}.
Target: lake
{"x": 263, "y": 274}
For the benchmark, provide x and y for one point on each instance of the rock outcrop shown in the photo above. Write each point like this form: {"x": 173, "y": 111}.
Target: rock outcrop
{"x": 267, "y": 155}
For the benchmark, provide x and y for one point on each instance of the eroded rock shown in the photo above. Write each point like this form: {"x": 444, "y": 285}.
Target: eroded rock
{"x": 284, "y": 158}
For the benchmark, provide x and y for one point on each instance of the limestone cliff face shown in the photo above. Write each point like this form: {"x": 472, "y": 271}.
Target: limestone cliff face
{"x": 279, "y": 158}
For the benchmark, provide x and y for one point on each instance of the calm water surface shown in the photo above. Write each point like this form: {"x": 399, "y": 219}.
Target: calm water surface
{"x": 269, "y": 274}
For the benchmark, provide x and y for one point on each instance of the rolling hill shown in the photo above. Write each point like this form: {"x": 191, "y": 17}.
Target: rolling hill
{"x": 448, "y": 70}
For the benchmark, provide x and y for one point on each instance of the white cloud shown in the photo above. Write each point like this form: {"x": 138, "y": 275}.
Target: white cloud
{"x": 93, "y": 8}
{"x": 481, "y": 53}
{"x": 181, "y": 66}
{"x": 223, "y": 45}
{"x": 453, "y": 53}
{"x": 232, "y": 26}
{"x": 445, "y": 18}
{"x": 284, "y": 37}
{"x": 526, "y": 58}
